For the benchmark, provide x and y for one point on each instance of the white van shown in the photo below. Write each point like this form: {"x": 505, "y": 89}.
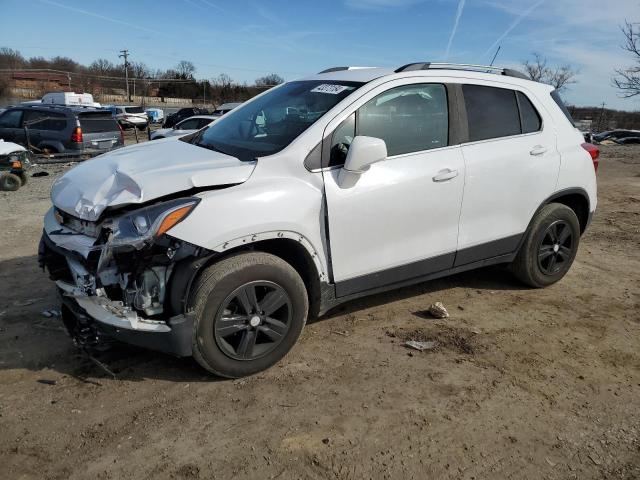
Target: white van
{"x": 69, "y": 98}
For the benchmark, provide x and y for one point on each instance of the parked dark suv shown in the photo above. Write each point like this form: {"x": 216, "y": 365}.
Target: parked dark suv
{"x": 183, "y": 113}
{"x": 72, "y": 130}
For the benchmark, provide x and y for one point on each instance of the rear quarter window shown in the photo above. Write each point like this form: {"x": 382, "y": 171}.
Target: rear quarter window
{"x": 529, "y": 116}
{"x": 491, "y": 112}
{"x": 98, "y": 122}
{"x": 556, "y": 98}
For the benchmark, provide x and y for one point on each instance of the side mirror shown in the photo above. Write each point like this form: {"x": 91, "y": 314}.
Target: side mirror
{"x": 363, "y": 152}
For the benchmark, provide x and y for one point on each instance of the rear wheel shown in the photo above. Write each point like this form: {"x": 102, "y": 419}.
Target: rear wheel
{"x": 250, "y": 310}
{"x": 9, "y": 182}
{"x": 550, "y": 246}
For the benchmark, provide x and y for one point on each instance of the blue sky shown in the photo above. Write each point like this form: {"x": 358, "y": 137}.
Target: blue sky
{"x": 248, "y": 38}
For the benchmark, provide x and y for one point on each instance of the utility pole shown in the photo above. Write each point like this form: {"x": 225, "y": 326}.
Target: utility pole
{"x": 69, "y": 79}
{"x": 125, "y": 54}
{"x": 204, "y": 93}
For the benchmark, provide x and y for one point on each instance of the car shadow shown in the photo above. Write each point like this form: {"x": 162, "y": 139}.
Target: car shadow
{"x": 32, "y": 341}
{"x": 491, "y": 278}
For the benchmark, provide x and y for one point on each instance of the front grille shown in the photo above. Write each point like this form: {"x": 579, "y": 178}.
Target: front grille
{"x": 85, "y": 227}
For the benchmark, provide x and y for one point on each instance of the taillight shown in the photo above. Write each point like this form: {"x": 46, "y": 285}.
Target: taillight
{"x": 121, "y": 133}
{"x": 594, "y": 152}
{"x": 76, "y": 136}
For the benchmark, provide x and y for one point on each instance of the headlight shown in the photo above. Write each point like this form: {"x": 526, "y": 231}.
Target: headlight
{"x": 147, "y": 223}
{"x": 18, "y": 160}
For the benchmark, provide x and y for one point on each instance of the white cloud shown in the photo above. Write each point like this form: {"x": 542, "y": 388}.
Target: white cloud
{"x": 455, "y": 27}
{"x": 512, "y": 26}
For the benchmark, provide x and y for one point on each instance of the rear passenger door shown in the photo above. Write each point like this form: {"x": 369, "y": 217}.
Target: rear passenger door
{"x": 44, "y": 125}
{"x": 512, "y": 166}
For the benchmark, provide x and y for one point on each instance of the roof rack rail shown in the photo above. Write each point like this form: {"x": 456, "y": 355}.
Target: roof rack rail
{"x": 340, "y": 69}
{"x": 509, "y": 72}
{"x": 333, "y": 69}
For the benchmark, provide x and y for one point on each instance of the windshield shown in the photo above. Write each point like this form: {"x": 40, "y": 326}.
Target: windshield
{"x": 134, "y": 110}
{"x": 271, "y": 122}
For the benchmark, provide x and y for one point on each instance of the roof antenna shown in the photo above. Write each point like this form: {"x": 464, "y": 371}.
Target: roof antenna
{"x": 495, "y": 55}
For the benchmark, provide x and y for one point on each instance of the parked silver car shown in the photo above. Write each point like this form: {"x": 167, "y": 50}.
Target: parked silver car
{"x": 184, "y": 127}
{"x": 225, "y": 107}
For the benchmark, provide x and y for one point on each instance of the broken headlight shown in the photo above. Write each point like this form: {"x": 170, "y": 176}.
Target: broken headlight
{"x": 146, "y": 223}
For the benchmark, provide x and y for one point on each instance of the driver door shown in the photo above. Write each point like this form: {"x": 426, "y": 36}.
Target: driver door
{"x": 398, "y": 220}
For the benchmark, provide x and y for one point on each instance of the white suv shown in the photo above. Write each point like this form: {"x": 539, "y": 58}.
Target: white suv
{"x": 220, "y": 245}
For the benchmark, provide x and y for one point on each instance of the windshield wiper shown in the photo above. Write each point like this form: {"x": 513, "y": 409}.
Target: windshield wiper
{"x": 210, "y": 146}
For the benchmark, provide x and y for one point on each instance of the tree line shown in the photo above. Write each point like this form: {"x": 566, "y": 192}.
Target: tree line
{"x": 105, "y": 76}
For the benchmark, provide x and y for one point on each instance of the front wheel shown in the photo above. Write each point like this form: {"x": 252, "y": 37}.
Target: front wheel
{"x": 250, "y": 310}
{"x": 9, "y": 182}
{"x": 549, "y": 248}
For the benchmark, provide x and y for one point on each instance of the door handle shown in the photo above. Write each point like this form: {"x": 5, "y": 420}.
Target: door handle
{"x": 538, "y": 150}
{"x": 444, "y": 175}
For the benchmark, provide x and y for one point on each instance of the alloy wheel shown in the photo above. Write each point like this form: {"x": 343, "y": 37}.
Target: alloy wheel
{"x": 253, "y": 320}
{"x": 556, "y": 248}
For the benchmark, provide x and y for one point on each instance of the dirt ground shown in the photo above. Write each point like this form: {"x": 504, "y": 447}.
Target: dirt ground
{"x": 524, "y": 383}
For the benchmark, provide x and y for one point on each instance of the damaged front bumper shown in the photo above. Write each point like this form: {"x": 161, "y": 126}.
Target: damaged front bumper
{"x": 120, "y": 292}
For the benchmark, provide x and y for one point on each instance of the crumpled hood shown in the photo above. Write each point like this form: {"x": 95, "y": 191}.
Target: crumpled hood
{"x": 143, "y": 172}
{"x": 9, "y": 147}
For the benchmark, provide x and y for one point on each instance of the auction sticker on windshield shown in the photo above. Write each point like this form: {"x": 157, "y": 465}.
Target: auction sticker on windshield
{"x": 332, "y": 89}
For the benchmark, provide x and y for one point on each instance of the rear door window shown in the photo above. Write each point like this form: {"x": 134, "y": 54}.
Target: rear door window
{"x": 11, "y": 119}
{"x": 491, "y": 112}
{"x": 98, "y": 122}
{"x": 190, "y": 124}
{"x": 134, "y": 110}
{"x": 40, "y": 120}
{"x": 529, "y": 116}
{"x": 203, "y": 122}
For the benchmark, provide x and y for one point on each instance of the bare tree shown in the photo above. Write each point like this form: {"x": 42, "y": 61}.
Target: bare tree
{"x": 38, "y": 62}
{"x": 628, "y": 80}
{"x": 185, "y": 70}
{"x": 65, "y": 64}
{"x": 537, "y": 69}
{"x": 139, "y": 70}
{"x": 223, "y": 81}
{"x": 560, "y": 77}
{"x": 102, "y": 66}
{"x": 11, "y": 59}
{"x": 269, "y": 80}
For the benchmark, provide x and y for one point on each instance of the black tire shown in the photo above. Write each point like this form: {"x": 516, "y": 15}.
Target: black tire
{"x": 9, "y": 182}
{"x": 549, "y": 248}
{"x": 212, "y": 298}
{"x": 23, "y": 178}
{"x": 49, "y": 150}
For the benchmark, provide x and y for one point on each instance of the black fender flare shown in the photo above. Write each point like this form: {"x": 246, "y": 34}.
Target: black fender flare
{"x": 560, "y": 193}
